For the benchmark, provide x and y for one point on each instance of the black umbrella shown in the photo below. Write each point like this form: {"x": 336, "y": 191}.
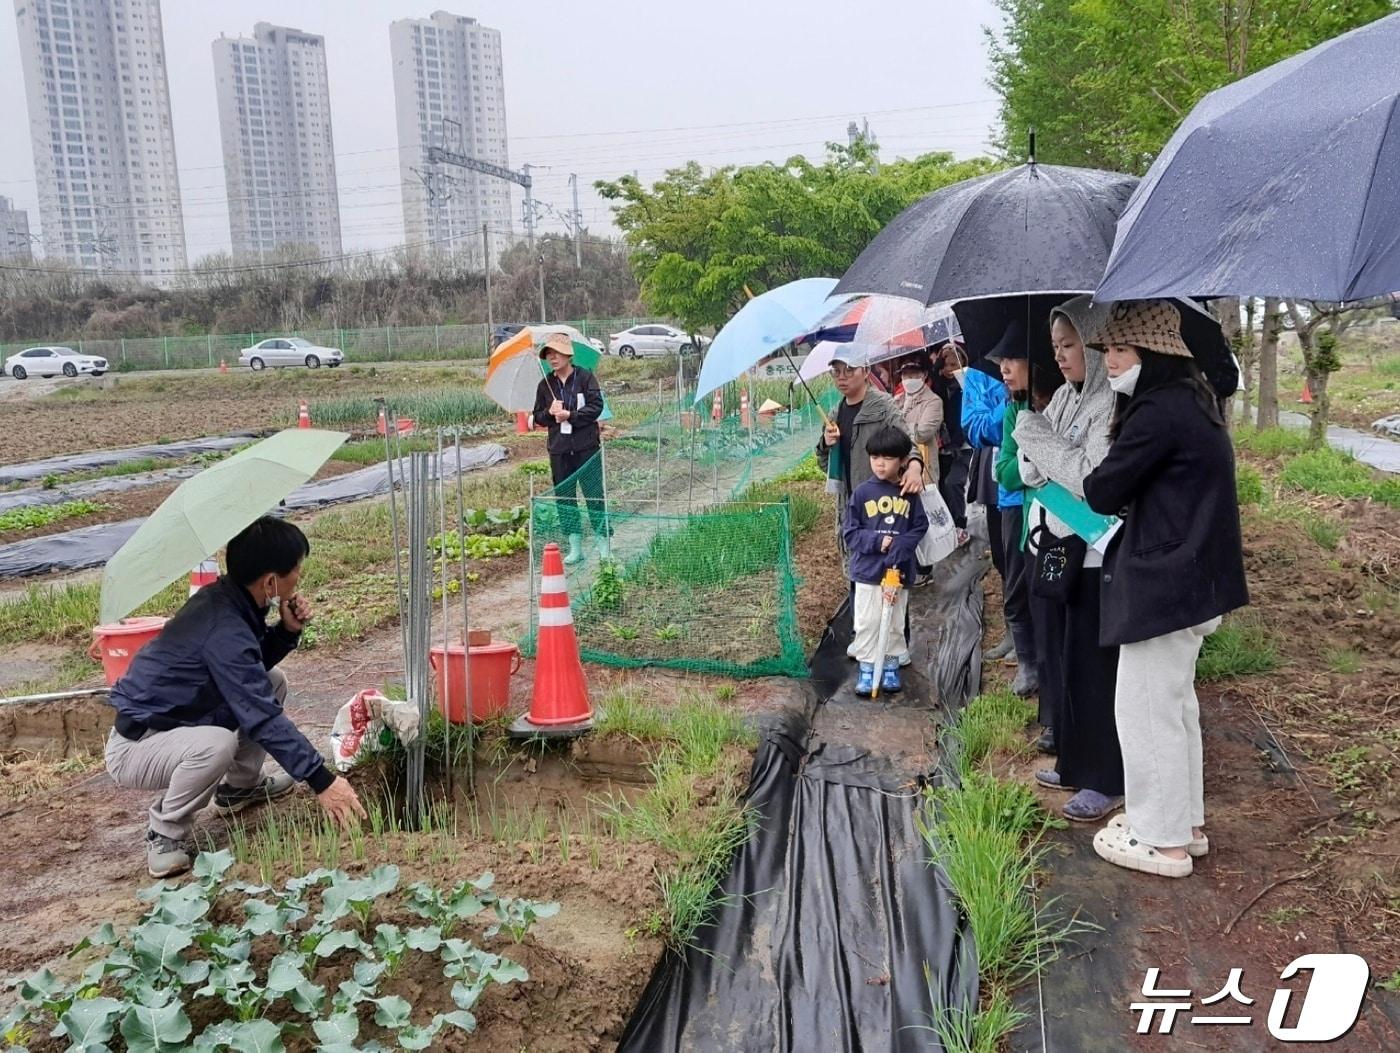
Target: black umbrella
{"x": 1285, "y": 183}
{"x": 984, "y": 322}
{"x": 1033, "y": 229}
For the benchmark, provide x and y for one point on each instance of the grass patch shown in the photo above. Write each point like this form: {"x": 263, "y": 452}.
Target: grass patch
{"x": 692, "y": 810}
{"x": 438, "y": 408}
{"x": 109, "y": 471}
{"x": 68, "y": 613}
{"x": 1249, "y": 485}
{"x": 1237, "y": 648}
{"x": 990, "y": 724}
{"x": 371, "y": 451}
{"x": 1272, "y": 443}
{"x": 806, "y": 470}
{"x": 985, "y": 834}
{"x": 1338, "y": 474}
{"x": 1328, "y": 533}
{"x": 36, "y": 516}
{"x": 1284, "y": 915}
{"x": 1345, "y": 661}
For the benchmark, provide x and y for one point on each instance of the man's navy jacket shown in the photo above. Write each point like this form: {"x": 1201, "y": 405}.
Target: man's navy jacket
{"x": 208, "y": 667}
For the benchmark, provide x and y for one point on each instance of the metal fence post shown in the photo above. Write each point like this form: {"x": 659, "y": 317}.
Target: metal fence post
{"x": 166, "y": 343}
{"x": 437, "y": 341}
{"x": 123, "y": 340}
{"x": 389, "y": 341}
{"x": 210, "y": 339}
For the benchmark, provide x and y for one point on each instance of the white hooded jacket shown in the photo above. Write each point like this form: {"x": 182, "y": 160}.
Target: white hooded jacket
{"x": 1068, "y": 440}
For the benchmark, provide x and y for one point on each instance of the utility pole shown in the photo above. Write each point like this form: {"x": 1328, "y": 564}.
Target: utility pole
{"x": 529, "y": 207}
{"x": 578, "y": 224}
{"x": 543, "y": 319}
{"x": 486, "y": 261}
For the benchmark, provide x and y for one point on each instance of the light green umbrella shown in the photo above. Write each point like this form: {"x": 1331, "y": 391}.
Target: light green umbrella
{"x": 205, "y": 511}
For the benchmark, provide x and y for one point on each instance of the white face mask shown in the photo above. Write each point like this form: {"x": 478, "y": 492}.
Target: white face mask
{"x": 913, "y": 385}
{"x": 1126, "y": 383}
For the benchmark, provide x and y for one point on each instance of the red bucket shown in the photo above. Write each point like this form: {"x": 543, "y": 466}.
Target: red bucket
{"x": 116, "y": 645}
{"x": 492, "y": 666}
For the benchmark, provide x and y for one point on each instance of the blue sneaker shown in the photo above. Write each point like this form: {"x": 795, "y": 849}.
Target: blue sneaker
{"x": 865, "y": 682}
{"x": 890, "y": 682}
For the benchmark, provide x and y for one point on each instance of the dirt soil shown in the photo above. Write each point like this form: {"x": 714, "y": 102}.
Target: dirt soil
{"x": 41, "y": 420}
{"x": 1302, "y": 769}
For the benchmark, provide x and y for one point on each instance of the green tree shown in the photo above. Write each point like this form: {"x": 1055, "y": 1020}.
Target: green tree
{"x": 697, "y": 239}
{"x": 1106, "y": 82}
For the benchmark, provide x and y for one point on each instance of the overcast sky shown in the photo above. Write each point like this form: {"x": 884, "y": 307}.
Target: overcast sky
{"x": 593, "y": 88}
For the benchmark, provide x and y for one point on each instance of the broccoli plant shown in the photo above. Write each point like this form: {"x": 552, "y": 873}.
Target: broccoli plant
{"x": 136, "y": 995}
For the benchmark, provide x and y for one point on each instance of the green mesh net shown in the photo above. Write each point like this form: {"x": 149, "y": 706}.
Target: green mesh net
{"x": 699, "y": 574}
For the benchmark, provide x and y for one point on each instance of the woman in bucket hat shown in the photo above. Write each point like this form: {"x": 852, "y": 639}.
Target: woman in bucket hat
{"x": 1175, "y": 567}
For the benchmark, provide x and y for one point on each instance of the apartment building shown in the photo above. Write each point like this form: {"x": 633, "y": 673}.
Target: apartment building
{"x": 104, "y": 149}
{"x": 279, "y": 153}
{"x": 449, "y": 90}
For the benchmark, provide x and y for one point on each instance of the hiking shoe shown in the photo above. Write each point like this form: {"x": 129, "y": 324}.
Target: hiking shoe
{"x": 865, "y": 681}
{"x": 230, "y": 800}
{"x": 1051, "y": 780}
{"x": 166, "y": 856}
{"x": 889, "y": 680}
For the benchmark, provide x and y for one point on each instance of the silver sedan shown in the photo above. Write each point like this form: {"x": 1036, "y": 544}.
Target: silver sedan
{"x": 289, "y": 351}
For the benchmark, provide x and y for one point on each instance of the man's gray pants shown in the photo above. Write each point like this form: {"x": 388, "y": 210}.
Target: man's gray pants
{"x": 187, "y": 763}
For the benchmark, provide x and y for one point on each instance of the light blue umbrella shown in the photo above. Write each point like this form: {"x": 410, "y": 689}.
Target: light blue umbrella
{"x": 763, "y": 325}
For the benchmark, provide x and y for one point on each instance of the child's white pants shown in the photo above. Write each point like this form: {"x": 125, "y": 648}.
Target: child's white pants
{"x": 870, "y": 604}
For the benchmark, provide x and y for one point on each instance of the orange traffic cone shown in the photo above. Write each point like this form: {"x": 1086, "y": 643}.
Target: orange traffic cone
{"x": 744, "y": 417}
{"x": 559, "y": 706}
{"x": 522, "y": 423}
{"x": 717, "y": 406}
{"x": 303, "y": 415}
{"x": 1306, "y": 400}
{"x": 223, "y": 365}
{"x": 205, "y": 574}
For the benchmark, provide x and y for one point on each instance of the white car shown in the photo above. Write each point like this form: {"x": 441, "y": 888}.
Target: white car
{"x": 289, "y": 351}
{"x": 654, "y": 339}
{"x": 53, "y": 361}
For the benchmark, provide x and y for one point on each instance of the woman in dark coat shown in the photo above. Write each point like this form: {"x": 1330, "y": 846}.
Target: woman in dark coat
{"x": 1175, "y": 567}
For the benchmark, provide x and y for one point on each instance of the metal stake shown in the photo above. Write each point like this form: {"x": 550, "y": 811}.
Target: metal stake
{"x": 444, "y": 700}
{"x": 466, "y": 630}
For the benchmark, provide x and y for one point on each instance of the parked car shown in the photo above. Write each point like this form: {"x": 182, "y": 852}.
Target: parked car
{"x": 52, "y": 362}
{"x": 289, "y": 351}
{"x": 653, "y": 339}
{"x": 501, "y": 333}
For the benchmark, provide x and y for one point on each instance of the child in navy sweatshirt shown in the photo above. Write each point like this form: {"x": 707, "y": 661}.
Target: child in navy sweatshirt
{"x": 882, "y": 529}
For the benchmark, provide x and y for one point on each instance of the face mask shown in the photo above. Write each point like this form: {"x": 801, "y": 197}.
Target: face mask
{"x": 913, "y": 385}
{"x": 1126, "y": 383}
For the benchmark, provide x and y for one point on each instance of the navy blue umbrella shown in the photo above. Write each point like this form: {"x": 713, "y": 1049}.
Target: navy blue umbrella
{"x": 1031, "y": 229}
{"x": 1285, "y": 183}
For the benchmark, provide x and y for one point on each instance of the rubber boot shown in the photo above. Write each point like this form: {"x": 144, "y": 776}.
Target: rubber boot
{"x": 1000, "y": 650}
{"x": 575, "y": 550}
{"x": 604, "y": 548}
{"x": 1027, "y": 682}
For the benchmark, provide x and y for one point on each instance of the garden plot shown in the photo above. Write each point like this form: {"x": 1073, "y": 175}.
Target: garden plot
{"x": 526, "y": 914}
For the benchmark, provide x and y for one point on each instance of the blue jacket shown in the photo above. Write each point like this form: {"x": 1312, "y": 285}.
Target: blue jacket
{"x": 875, "y": 511}
{"x": 983, "y": 411}
{"x": 209, "y": 666}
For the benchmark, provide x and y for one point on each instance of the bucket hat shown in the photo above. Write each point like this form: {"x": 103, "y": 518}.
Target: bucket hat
{"x": 1154, "y": 325}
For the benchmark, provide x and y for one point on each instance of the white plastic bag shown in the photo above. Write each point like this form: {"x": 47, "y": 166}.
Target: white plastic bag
{"x": 369, "y": 722}
{"x": 942, "y": 536}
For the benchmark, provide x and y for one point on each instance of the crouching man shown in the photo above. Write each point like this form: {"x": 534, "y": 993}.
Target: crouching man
{"x": 201, "y": 706}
